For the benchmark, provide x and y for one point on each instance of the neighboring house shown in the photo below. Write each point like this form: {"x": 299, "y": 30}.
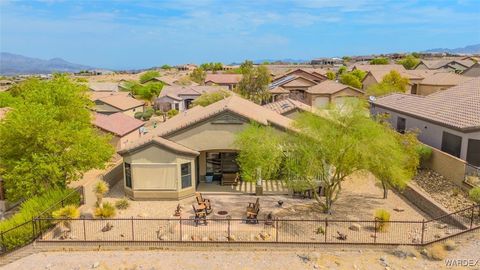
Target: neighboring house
{"x": 376, "y": 76}
{"x": 175, "y": 159}
{"x": 438, "y": 82}
{"x": 320, "y": 95}
{"x": 288, "y": 107}
{"x": 389, "y": 67}
{"x": 327, "y": 61}
{"x": 124, "y": 128}
{"x": 180, "y": 97}
{"x": 186, "y": 67}
{"x": 103, "y": 86}
{"x": 448, "y": 65}
{"x": 473, "y": 71}
{"x": 315, "y": 75}
{"x": 292, "y": 86}
{"x": 228, "y": 80}
{"x": 171, "y": 80}
{"x": 447, "y": 120}
{"x": 118, "y": 103}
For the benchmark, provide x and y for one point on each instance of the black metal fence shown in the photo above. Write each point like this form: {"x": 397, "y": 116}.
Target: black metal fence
{"x": 326, "y": 231}
{"x": 472, "y": 175}
{"x": 25, "y": 233}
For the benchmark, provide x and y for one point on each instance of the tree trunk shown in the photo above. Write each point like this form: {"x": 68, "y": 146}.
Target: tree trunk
{"x": 385, "y": 189}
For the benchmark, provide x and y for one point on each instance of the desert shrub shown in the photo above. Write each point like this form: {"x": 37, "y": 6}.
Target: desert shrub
{"x": 158, "y": 112}
{"x": 145, "y": 77}
{"x": 474, "y": 194}
{"x": 424, "y": 152}
{"x": 100, "y": 189}
{"x": 382, "y": 217}
{"x": 65, "y": 213}
{"x": 172, "y": 113}
{"x": 450, "y": 245}
{"x": 436, "y": 252}
{"x": 138, "y": 115}
{"x": 106, "y": 210}
{"x": 30, "y": 209}
{"x": 147, "y": 114}
{"x": 122, "y": 204}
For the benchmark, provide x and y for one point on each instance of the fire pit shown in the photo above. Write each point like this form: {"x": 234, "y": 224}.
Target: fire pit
{"x": 222, "y": 214}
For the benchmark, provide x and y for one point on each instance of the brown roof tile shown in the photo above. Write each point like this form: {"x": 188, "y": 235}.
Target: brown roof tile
{"x": 444, "y": 78}
{"x": 286, "y": 105}
{"x": 223, "y": 78}
{"x": 118, "y": 123}
{"x": 330, "y": 87}
{"x": 121, "y": 102}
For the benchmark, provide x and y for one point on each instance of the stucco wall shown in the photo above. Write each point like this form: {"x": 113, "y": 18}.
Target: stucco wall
{"x": 368, "y": 81}
{"x": 472, "y": 72}
{"x": 132, "y": 111}
{"x": 447, "y": 165}
{"x": 425, "y": 89}
{"x": 429, "y": 133}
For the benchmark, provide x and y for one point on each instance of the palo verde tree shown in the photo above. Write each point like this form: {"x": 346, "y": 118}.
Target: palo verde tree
{"x": 409, "y": 62}
{"x": 254, "y": 83}
{"x": 393, "y": 82}
{"x": 198, "y": 75}
{"x": 147, "y": 76}
{"x": 47, "y": 140}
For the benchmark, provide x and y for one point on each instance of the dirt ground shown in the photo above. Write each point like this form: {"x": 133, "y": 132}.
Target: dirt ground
{"x": 326, "y": 257}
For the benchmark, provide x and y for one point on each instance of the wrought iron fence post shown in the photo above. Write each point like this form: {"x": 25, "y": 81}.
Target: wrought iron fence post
{"x": 471, "y": 217}
{"x": 33, "y": 228}
{"x": 375, "y": 231}
{"x": 2, "y": 245}
{"x": 180, "y": 220}
{"x": 325, "y": 231}
{"x": 84, "y": 231}
{"x": 41, "y": 229}
{"x": 62, "y": 202}
{"x": 276, "y": 229}
{"x": 423, "y": 230}
{"x": 133, "y": 231}
{"x": 228, "y": 221}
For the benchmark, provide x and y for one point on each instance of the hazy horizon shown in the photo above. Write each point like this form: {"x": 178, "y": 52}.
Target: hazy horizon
{"x": 125, "y": 35}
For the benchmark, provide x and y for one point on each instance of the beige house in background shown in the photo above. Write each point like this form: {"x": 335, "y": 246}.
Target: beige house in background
{"x": 123, "y": 128}
{"x": 445, "y": 65}
{"x": 438, "y": 82}
{"x": 376, "y": 76}
{"x": 228, "y": 80}
{"x": 329, "y": 91}
{"x": 192, "y": 148}
{"x": 118, "y": 103}
{"x": 473, "y": 71}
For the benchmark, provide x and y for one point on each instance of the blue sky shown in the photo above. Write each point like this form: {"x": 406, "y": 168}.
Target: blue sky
{"x": 136, "y": 34}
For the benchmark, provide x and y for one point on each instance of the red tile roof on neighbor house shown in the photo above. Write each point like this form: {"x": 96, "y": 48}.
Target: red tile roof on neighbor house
{"x": 223, "y": 78}
{"x": 457, "y": 107}
{"x": 121, "y": 102}
{"x": 119, "y": 123}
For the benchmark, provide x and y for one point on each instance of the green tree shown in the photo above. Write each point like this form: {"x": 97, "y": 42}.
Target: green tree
{"x": 350, "y": 79}
{"x": 331, "y": 75}
{"x": 166, "y": 67}
{"x": 393, "y": 82}
{"x": 409, "y": 62}
{"x": 208, "y": 98}
{"x": 416, "y": 55}
{"x": 145, "y": 77}
{"x": 246, "y": 66}
{"x": 379, "y": 61}
{"x": 341, "y": 70}
{"x": 360, "y": 74}
{"x": 198, "y": 75}
{"x": 260, "y": 155}
{"x": 48, "y": 140}
{"x": 149, "y": 91}
{"x": 254, "y": 83}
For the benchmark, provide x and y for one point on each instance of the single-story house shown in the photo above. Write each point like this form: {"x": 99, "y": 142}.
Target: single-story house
{"x": 118, "y": 103}
{"x": 449, "y": 65}
{"x": 448, "y": 120}
{"x": 228, "y": 80}
{"x": 376, "y": 76}
{"x": 315, "y": 75}
{"x": 389, "y": 67}
{"x": 293, "y": 86}
{"x": 180, "y": 153}
{"x": 437, "y": 82}
{"x": 320, "y": 95}
{"x": 473, "y": 71}
{"x": 103, "y": 86}
{"x": 288, "y": 107}
{"x": 180, "y": 97}
{"x": 124, "y": 128}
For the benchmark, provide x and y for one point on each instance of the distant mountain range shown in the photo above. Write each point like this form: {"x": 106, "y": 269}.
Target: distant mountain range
{"x": 14, "y": 64}
{"x": 471, "y": 49}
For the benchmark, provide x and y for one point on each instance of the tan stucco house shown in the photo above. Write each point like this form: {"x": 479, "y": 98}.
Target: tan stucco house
{"x": 121, "y": 127}
{"x": 193, "y": 147}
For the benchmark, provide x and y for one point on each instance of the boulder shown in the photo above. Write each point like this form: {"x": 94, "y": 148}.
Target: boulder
{"x": 355, "y": 227}
{"x": 398, "y": 209}
{"x": 107, "y": 227}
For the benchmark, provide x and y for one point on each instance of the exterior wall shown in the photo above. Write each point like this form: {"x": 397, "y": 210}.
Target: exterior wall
{"x": 151, "y": 162}
{"x": 421, "y": 66}
{"x": 447, "y": 165}
{"x": 429, "y": 133}
{"x": 298, "y": 82}
{"x": 368, "y": 81}
{"x": 425, "y": 89}
{"x": 132, "y": 111}
{"x": 101, "y": 107}
{"x": 472, "y": 72}
{"x": 306, "y": 75}
{"x": 132, "y": 136}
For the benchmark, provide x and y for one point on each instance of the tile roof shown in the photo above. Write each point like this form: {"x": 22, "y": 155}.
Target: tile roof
{"x": 176, "y": 147}
{"x": 176, "y": 92}
{"x": 119, "y": 123}
{"x": 234, "y": 104}
{"x": 379, "y": 74}
{"x": 457, "y": 107}
{"x": 286, "y": 105}
{"x": 444, "y": 78}
{"x": 380, "y": 67}
{"x": 279, "y": 90}
{"x": 121, "y": 102}
{"x": 223, "y": 78}
{"x": 103, "y": 86}
{"x": 99, "y": 95}
{"x": 436, "y": 64}
{"x": 330, "y": 87}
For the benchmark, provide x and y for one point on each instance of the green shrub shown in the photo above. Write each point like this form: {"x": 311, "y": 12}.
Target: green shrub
{"x": 424, "y": 152}
{"x": 122, "y": 204}
{"x": 474, "y": 194}
{"x": 172, "y": 113}
{"x": 382, "y": 217}
{"x": 30, "y": 209}
{"x": 100, "y": 189}
{"x": 138, "y": 115}
{"x": 105, "y": 211}
{"x": 65, "y": 213}
{"x": 158, "y": 112}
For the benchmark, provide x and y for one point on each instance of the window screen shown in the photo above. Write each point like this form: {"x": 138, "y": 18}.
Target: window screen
{"x": 128, "y": 175}
{"x": 186, "y": 172}
{"x": 451, "y": 144}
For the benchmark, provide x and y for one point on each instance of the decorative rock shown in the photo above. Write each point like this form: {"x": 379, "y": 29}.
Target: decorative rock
{"x": 355, "y": 227}
{"x": 142, "y": 215}
{"x": 95, "y": 264}
{"x": 398, "y": 209}
{"x": 107, "y": 227}
{"x": 442, "y": 226}
{"x": 438, "y": 235}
